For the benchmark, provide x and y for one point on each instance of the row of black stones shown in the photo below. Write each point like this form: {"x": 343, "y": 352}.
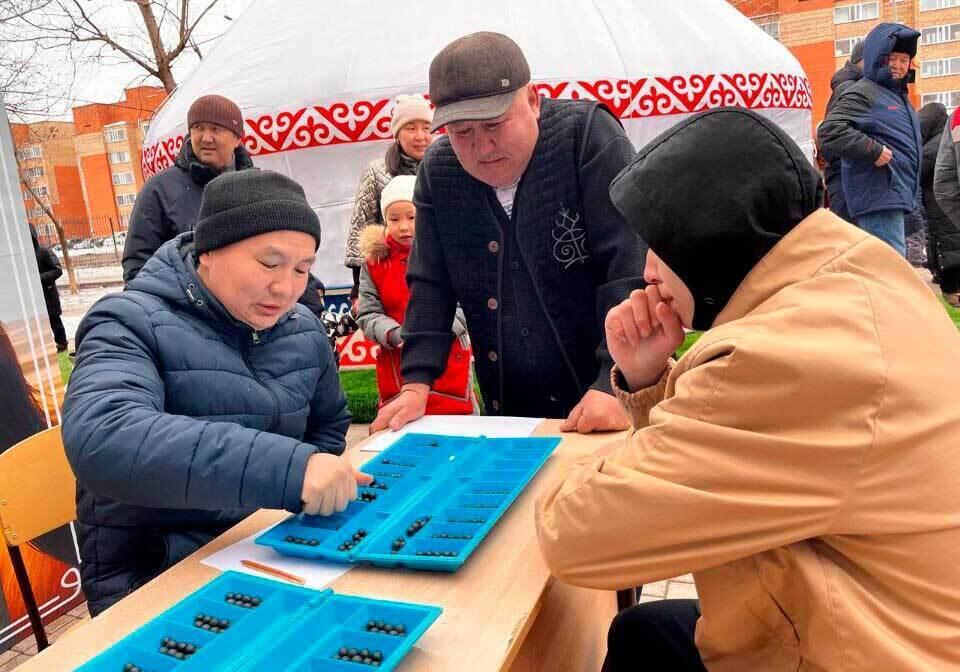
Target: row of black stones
{"x": 397, "y": 463}
{"x": 377, "y": 485}
{"x": 466, "y": 520}
{"x": 214, "y": 625}
{"x": 398, "y": 544}
{"x": 349, "y": 544}
{"x": 444, "y": 535}
{"x": 304, "y": 542}
{"x": 386, "y": 628}
{"x": 365, "y": 656}
{"x": 179, "y": 650}
{"x": 245, "y": 601}
{"x": 438, "y": 554}
{"x": 130, "y": 667}
{"x": 417, "y": 525}
{"x": 368, "y": 496}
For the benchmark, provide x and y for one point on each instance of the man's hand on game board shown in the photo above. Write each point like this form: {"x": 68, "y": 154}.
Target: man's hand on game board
{"x": 596, "y": 412}
{"x": 330, "y": 484}
{"x": 409, "y": 405}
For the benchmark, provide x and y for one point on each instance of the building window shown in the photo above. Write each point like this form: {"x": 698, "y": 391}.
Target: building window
{"x": 863, "y": 11}
{"x": 927, "y": 5}
{"x": 36, "y": 212}
{"x": 940, "y": 67}
{"x": 34, "y": 152}
{"x": 32, "y": 173}
{"x": 126, "y": 199}
{"x": 769, "y": 24}
{"x": 115, "y": 134}
{"x": 144, "y": 127}
{"x": 123, "y": 178}
{"x": 41, "y": 191}
{"x": 949, "y": 99}
{"x": 845, "y": 47}
{"x": 940, "y": 34}
{"x": 119, "y": 157}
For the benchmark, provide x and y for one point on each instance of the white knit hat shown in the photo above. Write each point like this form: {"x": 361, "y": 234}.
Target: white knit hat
{"x": 399, "y": 188}
{"x": 407, "y": 109}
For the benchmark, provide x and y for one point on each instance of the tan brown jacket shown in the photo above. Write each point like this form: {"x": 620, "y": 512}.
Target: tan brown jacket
{"x": 802, "y": 460}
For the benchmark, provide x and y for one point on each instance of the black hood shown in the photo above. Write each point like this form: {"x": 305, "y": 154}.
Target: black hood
{"x": 848, "y": 73}
{"x": 712, "y": 195}
{"x": 933, "y": 117}
{"x": 200, "y": 172}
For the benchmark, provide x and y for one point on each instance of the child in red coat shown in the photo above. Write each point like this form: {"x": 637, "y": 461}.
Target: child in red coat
{"x": 383, "y": 303}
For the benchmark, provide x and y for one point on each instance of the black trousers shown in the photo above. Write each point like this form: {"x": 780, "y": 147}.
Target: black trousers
{"x": 655, "y": 636}
{"x": 59, "y": 333}
{"x": 950, "y": 280}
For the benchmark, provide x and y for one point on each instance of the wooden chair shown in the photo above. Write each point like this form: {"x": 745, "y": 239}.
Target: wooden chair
{"x": 37, "y": 495}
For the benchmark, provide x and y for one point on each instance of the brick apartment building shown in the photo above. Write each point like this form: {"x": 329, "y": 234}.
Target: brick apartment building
{"x": 821, "y": 34}
{"x": 47, "y": 161}
{"x": 89, "y": 169}
{"x": 108, "y": 144}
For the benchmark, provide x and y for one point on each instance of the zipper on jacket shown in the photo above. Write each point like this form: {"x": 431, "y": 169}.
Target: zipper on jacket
{"x": 255, "y": 338}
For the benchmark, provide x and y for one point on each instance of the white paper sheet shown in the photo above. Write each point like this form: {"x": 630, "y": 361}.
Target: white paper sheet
{"x": 494, "y": 426}
{"x": 317, "y": 573}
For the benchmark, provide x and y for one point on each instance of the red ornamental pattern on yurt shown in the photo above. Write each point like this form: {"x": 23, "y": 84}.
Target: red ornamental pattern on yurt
{"x": 361, "y": 121}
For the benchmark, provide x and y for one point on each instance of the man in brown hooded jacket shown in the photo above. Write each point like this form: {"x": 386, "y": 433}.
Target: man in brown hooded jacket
{"x": 801, "y": 459}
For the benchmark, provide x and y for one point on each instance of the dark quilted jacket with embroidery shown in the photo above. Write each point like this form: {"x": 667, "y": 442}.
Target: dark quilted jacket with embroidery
{"x": 535, "y": 287}
{"x": 179, "y": 421}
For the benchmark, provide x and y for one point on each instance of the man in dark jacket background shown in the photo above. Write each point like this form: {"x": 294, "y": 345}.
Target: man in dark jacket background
{"x": 202, "y": 392}
{"x": 169, "y": 202}
{"x": 945, "y": 231}
{"x": 50, "y": 270}
{"x": 874, "y": 130}
{"x": 844, "y": 78}
{"x": 514, "y": 221}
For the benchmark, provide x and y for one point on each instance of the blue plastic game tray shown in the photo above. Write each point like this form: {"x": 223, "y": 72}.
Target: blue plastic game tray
{"x": 281, "y": 627}
{"x": 433, "y": 501}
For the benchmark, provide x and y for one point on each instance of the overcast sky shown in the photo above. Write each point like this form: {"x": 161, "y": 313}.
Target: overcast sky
{"x": 104, "y": 82}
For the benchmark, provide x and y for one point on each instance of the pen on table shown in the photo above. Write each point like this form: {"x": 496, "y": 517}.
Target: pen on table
{"x": 273, "y": 571}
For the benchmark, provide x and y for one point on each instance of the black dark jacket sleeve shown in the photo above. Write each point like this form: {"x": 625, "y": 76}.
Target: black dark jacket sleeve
{"x": 433, "y": 302}
{"x": 148, "y": 230}
{"x": 618, "y": 254}
{"x": 49, "y": 267}
{"x": 312, "y": 297}
{"x": 838, "y": 133}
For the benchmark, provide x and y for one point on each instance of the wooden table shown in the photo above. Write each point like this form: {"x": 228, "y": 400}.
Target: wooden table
{"x": 501, "y": 611}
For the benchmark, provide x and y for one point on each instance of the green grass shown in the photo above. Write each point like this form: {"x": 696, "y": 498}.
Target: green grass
{"x": 361, "y": 384}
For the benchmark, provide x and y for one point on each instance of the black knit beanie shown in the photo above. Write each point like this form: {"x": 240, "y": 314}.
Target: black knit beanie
{"x": 246, "y": 203}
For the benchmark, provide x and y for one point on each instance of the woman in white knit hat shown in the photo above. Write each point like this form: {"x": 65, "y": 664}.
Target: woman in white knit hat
{"x": 410, "y": 126}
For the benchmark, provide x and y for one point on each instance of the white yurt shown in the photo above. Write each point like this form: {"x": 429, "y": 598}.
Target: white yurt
{"x": 316, "y": 80}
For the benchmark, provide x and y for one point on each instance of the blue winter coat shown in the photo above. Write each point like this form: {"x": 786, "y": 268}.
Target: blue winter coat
{"x": 179, "y": 421}
{"x": 871, "y": 114}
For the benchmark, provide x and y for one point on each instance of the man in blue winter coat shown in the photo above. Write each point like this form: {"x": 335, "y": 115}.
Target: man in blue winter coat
{"x": 204, "y": 392}
{"x": 875, "y": 131}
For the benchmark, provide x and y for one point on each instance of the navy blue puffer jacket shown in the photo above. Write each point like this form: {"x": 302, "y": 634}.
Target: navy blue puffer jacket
{"x": 179, "y": 421}
{"x": 872, "y": 114}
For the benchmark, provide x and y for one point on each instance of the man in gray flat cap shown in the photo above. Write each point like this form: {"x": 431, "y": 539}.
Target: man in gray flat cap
{"x": 515, "y": 223}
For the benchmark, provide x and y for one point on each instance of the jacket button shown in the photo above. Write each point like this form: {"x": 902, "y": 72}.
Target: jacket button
{"x": 524, "y": 331}
{"x": 492, "y": 304}
{"x": 495, "y": 404}
{"x": 492, "y": 356}
{"x": 493, "y": 246}
{"x": 515, "y": 265}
